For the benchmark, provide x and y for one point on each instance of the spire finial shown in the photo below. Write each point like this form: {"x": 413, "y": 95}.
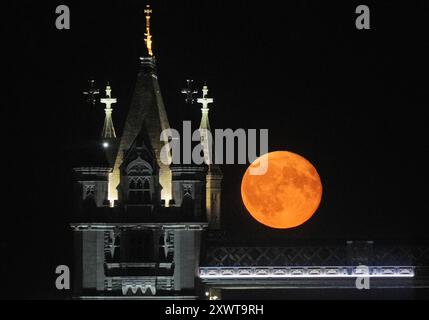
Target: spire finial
{"x": 148, "y": 35}
{"x": 108, "y": 95}
{"x": 204, "y": 100}
{"x": 108, "y": 129}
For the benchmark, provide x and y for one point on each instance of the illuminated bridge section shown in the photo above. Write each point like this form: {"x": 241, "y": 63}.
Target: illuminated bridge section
{"x": 310, "y": 272}
{"x": 306, "y": 272}
{"x": 337, "y": 266}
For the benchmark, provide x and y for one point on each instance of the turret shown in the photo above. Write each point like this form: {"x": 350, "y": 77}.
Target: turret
{"x": 214, "y": 174}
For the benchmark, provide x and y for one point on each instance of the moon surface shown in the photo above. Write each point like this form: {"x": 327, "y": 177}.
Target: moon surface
{"x": 286, "y": 195}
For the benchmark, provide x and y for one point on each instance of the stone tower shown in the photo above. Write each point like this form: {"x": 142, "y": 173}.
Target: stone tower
{"x": 139, "y": 247}
{"x": 147, "y": 109}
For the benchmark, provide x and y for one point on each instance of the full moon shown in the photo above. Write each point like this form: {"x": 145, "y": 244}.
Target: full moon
{"x": 286, "y": 195}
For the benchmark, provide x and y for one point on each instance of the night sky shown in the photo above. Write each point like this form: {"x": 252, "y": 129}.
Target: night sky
{"x": 354, "y": 103}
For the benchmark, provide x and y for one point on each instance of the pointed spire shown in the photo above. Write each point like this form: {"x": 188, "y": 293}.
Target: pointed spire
{"x": 147, "y": 108}
{"x": 205, "y": 101}
{"x": 214, "y": 173}
{"x": 205, "y": 126}
{"x": 108, "y": 128}
{"x": 148, "y": 35}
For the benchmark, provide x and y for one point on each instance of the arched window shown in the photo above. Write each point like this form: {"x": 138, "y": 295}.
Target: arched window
{"x": 139, "y": 190}
{"x": 139, "y": 174}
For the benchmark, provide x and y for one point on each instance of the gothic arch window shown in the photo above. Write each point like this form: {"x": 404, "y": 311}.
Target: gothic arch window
{"x": 139, "y": 189}
{"x": 139, "y": 182}
{"x": 139, "y": 167}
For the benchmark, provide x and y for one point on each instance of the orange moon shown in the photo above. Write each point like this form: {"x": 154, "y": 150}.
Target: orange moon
{"x": 286, "y": 195}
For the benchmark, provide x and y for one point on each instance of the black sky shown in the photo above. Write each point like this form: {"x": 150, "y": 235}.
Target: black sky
{"x": 352, "y": 102}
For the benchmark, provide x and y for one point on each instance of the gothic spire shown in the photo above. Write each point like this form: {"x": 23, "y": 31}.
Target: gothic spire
{"x": 146, "y": 110}
{"x": 108, "y": 128}
{"x": 214, "y": 174}
{"x": 205, "y": 101}
{"x": 205, "y": 125}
